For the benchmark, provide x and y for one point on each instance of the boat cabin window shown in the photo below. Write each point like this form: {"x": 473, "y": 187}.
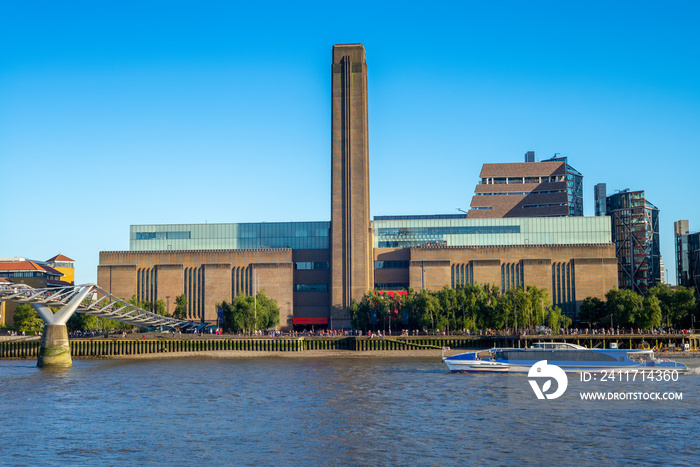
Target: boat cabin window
{"x": 554, "y": 355}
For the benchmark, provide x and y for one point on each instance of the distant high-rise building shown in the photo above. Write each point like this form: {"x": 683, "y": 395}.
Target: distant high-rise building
{"x": 600, "y": 194}
{"x": 687, "y": 255}
{"x": 550, "y": 188}
{"x": 635, "y": 232}
{"x": 662, "y": 270}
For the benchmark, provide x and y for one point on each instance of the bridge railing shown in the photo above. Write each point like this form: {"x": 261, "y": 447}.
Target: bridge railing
{"x": 106, "y": 306}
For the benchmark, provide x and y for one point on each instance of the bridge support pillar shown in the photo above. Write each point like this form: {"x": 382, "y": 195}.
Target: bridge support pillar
{"x": 55, "y": 349}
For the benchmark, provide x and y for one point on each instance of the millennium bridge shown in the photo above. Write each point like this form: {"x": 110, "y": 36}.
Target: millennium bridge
{"x": 86, "y": 298}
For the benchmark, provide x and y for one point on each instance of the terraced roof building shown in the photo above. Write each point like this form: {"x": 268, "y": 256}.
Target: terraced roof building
{"x": 550, "y": 188}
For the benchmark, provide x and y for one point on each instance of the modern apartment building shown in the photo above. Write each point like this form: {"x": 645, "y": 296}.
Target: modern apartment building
{"x": 551, "y": 188}
{"x": 635, "y": 232}
{"x": 687, "y": 255}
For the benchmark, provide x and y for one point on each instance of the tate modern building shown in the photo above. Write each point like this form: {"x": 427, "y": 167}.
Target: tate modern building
{"x": 315, "y": 269}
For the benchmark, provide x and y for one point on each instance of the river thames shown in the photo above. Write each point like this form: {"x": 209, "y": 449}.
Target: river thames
{"x": 323, "y": 411}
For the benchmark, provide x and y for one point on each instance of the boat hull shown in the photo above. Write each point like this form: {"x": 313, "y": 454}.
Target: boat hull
{"x": 571, "y": 361}
{"x": 506, "y": 368}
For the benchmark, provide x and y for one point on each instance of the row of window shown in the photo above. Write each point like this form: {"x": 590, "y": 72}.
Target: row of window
{"x": 21, "y": 274}
{"x": 512, "y": 276}
{"x": 546, "y": 205}
{"x": 564, "y": 287}
{"x": 462, "y": 274}
{"x": 311, "y": 287}
{"x": 439, "y": 231}
{"x": 308, "y": 265}
{"x": 296, "y": 235}
{"x": 391, "y": 286}
{"x": 163, "y": 235}
{"x": 147, "y": 284}
{"x": 542, "y": 192}
{"x": 391, "y": 264}
{"x": 194, "y": 289}
{"x": 517, "y": 180}
{"x": 398, "y": 244}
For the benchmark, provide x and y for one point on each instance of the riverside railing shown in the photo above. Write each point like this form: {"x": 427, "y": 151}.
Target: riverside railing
{"x": 116, "y": 347}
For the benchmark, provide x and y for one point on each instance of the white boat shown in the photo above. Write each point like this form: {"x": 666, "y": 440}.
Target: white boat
{"x": 571, "y": 358}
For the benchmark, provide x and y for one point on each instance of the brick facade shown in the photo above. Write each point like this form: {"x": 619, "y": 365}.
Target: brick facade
{"x": 205, "y": 277}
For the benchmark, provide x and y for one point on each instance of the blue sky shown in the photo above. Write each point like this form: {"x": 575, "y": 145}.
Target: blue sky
{"x": 115, "y": 113}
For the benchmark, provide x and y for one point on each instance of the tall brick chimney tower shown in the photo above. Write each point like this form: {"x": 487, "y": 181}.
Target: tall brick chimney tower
{"x": 351, "y": 230}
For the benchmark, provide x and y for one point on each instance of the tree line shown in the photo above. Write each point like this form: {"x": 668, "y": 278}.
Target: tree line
{"x": 465, "y": 307}
{"x": 483, "y": 306}
{"x": 661, "y": 307}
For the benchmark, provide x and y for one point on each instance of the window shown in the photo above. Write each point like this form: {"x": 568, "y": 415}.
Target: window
{"x": 391, "y": 286}
{"x": 390, "y": 264}
{"x": 162, "y": 235}
{"x": 311, "y": 287}
{"x": 308, "y": 265}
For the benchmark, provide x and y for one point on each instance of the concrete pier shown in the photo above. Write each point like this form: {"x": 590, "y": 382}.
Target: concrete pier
{"x": 55, "y": 350}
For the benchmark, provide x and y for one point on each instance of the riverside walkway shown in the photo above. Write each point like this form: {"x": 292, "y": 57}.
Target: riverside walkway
{"x": 165, "y": 343}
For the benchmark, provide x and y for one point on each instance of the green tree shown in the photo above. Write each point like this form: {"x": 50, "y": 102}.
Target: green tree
{"x": 180, "y": 311}
{"x": 382, "y": 308}
{"x": 592, "y": 311}
{"x": 428, "y": 308}
{"x": 447, "y": 320}
{"x": 651, "y": 313}
{"x": 539, "y": 303}
{"x": 521, "y": 306}
{"x": 555, "y": 320}
{"x": 268, "y": 313}
{"x": 624, "y": 306}
{"x": 27, "y": 319}
{"x": 489, "y": 313}
{"x": 676, "y": 304}
{"x": 160, "y": 307}
{"x": 249, "y": 314}
{"x": 243, "y": 309}
{"x": 143, "y": 304}
{"x": 684, "y": 304}
{"x": 396, "y": 306}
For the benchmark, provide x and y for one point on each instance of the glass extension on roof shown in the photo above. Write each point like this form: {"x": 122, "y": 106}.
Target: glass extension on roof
{"x": 295, "y": 235}
{"x": 490, "y": 232}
